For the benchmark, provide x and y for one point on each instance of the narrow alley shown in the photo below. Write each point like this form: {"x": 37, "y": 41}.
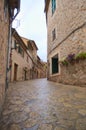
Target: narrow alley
{"x": 44, "y": 105}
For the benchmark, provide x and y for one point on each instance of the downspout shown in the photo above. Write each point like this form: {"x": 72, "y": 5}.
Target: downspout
{"x": 8, "y": 55}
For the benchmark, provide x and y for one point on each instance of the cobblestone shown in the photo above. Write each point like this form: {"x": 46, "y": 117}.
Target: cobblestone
{"x": 44, "y": 105}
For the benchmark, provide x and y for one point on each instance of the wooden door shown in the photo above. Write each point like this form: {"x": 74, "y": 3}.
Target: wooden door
{"x": 15, "y": 71}
{"x": 25, "y": 75}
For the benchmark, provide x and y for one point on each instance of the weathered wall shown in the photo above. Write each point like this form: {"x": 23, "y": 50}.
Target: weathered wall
{"x": 3, "y": 51}
{"x": 74, "y": 74}
{"x": 69, "y": 15}
{"x": 22, "y": 63}
{"x": 69, "y": 20}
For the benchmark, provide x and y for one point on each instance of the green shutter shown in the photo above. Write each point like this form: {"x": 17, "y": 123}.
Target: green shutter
{"x": 54, "y": 65}
{"x": 19, "y": 49}
{"x": 15, "y": 44}
{"x": 53, "y": 6}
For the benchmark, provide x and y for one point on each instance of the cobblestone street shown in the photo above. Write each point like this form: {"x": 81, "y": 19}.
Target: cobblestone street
{"x": 44, "y": 105}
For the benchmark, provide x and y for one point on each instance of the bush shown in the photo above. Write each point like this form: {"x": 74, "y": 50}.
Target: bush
{"x": 71, "y": 58}
{"x": 81, "y": 56}
{"x": 64, "y": 62}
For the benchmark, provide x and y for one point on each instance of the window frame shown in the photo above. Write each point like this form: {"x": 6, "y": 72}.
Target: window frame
{"x": 21, "y": 51}
{"x": 53, "y": 6}
{"x": 55, "y": 56}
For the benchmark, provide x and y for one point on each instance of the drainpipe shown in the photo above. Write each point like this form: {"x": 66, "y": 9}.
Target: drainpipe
{"x": 8, "y": 55}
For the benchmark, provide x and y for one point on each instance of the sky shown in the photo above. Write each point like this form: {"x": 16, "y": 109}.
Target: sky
{"x": 33, "y": 24}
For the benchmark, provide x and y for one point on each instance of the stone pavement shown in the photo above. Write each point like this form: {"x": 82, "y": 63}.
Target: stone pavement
{"x": 43, "y": 105}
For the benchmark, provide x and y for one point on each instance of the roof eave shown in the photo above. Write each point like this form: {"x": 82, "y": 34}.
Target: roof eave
{"x": 46, "y": 5}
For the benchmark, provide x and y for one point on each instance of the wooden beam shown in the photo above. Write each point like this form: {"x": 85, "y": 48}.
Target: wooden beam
{"x": 14, "y": 3}
{"x": 46, "y": 5}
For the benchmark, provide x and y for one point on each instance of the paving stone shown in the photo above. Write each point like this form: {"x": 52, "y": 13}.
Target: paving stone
{"x": 80, "y": 95}
{"x": 15, "y": 107}
{"x": 67, "y": 104}
{"x": 73, "y": 115}
{"x": 32, "y": 128}
{"x": 45, "y": 127}
{"x": 59, "y": 128}
{"x": 27, "y": 109}
{"x": 81, "y": 124}
{"x": 3, "y": 128}
{"x": 6, "y": 112}
{"x": 34, "y": 115}
{"x": 16, "y": 102}
{"x": 82, "y": 112}
{"x": 18, "y": 117}
{"x": 43, "y": 105}
{"x": 67, "y": 124}
{"x": 30, "y": 123}
{"x": 14, "y": 127}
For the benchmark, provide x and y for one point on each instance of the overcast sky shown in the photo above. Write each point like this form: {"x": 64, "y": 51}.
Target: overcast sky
{"x": 33, "y": 24}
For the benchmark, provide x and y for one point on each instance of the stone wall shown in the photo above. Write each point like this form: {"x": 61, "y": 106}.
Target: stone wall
{"x": 22, "y": 63}
{"x": 68, "y": 16}
{"x": 74, "y": 74}
{"x": 3, "y": 51}
{"x": 69, "y": 20}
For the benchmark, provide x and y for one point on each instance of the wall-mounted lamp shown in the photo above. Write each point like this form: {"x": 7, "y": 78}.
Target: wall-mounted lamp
{"x": 17, "y": 46}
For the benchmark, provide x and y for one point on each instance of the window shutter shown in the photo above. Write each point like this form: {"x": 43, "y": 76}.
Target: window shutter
{"x": 53, "y": 6}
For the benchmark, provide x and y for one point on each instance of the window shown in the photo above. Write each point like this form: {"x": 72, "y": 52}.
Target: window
{"x": 55, "y": 64}
{"x": 20, "y": 50}
{"x": 53, "y": 34}
{"x": 15, "y": 44}
{"x": 53, "y": 6}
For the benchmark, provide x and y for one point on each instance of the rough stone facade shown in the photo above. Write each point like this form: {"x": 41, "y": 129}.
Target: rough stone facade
{"x": 69, "y": 21}
{"x": 24, "y": 60}
{"x": 21, "y": 62}
{"x": 38, "y": 67}
{"x": 4, "y": 27}
{"x": 74, "y": 74}
{"x": 42, "y": 68}
{"x": 7, "y": 15}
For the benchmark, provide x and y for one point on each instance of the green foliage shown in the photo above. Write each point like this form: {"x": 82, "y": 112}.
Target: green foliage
{"x": 72, "y": 58}
{"x": 81, "y": 55}
{"x": 65, "y": 62}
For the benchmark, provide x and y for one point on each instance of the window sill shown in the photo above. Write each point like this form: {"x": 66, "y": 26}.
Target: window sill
{"x": 57, "y": 74}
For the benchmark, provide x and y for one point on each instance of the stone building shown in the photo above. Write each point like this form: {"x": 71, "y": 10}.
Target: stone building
{"x": 21, "y": 62}
{"x": 66, "y": 27}
{"x": 41, "y": 68}
{"x": 24, "y": 60}
{"x": 32, "y": 51}
{"x": 44, "y": 68}
{"x": 7, "y": 15}
{"x": 38, "y": 69}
